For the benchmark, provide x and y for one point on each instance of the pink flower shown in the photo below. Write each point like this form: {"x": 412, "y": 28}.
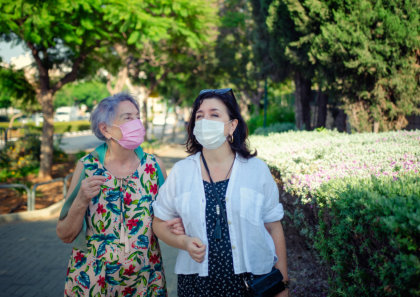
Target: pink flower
{"x": 127, "y": 198}
{"x": 154, "y": 259}
{"x": 154, "y": 189}
{"x": 149, "y": 169}
{"x": 128, "y": 291}
{"x": 101, "y": 281}
{"x": 78, "y": 257}
{"x": 100, "y": 209}
{"x": 132, "y": 223}
{"x": 129, "y": 271}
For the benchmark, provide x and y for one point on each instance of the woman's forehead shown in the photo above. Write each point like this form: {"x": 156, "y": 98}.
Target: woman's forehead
{"x": 212, "y": 104}
{"x": 127, "y": 107}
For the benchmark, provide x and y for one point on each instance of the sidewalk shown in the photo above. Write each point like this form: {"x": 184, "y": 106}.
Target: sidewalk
{"x": 33, "y": 261}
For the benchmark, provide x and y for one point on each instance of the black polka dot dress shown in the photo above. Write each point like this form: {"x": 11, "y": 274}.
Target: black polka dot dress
{"x": 221, "y": 281}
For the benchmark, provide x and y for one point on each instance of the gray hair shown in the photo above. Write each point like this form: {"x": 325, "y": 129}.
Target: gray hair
{"x": 105, "y": 112}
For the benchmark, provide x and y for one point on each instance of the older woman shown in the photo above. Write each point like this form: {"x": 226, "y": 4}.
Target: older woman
{"x": 228, "y": 202}
{"x": 108, "y": 215}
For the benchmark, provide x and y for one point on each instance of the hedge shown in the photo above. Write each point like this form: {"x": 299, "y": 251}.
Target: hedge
{"x": 369, "y": 234}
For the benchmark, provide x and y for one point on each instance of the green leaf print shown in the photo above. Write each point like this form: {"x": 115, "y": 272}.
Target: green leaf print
{"x": 101, "y": 225}
{"x": 142, "y": 183}
{"x": 138, "y": 214}
{"x": 111, "y": 256}
{"x": 77, "y": 288}
{"x": 132, "y": 190}
{"x": 108, "y": 214}
{"x": 115, "y": 182}
{"x": 91, "y": 291}
{"x": 145, "y": 230}
{"x": 107, "y": 224}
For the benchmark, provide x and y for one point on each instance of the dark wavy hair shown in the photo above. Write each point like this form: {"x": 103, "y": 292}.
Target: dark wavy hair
{"x": 240, "y": 136}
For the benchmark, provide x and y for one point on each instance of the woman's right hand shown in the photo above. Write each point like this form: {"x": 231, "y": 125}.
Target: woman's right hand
{"x": 90, "y": 187}
{"x": 196, "y": 249}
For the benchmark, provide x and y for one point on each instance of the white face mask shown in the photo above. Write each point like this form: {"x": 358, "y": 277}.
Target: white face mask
{"x": 210, "y": 134}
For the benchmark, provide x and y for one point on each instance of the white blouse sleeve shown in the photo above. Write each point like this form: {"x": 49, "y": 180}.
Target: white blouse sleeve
{"x": 272, "y": 208}
{"x": 164, "y": 206}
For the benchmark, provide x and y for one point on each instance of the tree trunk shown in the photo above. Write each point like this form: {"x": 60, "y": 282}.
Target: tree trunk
{"x": 340, "y": 118}
{"x": 46, "y": 100}
{"x": 302, "y": 100}
{"x": 322, "y": 102}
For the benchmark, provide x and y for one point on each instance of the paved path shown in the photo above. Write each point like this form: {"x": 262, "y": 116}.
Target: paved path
{"x": 33, "y": 261}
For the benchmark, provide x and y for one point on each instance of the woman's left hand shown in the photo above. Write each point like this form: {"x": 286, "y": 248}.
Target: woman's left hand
{"x": 176, "y": 226}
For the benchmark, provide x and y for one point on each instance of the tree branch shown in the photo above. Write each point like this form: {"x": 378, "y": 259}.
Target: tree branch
{"x": 72, "y": 75}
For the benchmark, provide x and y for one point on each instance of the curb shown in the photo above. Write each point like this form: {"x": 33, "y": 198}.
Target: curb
{"x": 40, "y": 214}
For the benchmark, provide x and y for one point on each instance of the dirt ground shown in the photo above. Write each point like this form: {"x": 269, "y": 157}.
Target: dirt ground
{"x": 308, "y": 276}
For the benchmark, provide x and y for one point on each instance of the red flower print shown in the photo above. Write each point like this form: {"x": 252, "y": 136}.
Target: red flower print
{"x": 68, "y": 270}
{"x": 149, "y": 169}
{"x": 78, "y": 257}
{"x": 130, "y": 270}
{"x": 154, "y": 189}
{"x": 101, "y": 281}
{"x": 154, "y": 259}
{"x": 100, "y": 209}
{"x": 127, "y": 198}
{"x": 128, "y": 291}
{"x": 132, "y": 223}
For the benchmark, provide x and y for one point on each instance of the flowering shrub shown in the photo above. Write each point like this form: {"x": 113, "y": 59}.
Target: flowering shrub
{"x": 306, "y": 160}
{"x": 357, "y": 199}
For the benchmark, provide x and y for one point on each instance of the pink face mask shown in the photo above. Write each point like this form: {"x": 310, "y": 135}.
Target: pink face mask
{"x": 132, "y": 134}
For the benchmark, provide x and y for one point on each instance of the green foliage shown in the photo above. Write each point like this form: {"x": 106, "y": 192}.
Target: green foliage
{"x": 367, "y": 52}
{"x": 369, "y": 234}
{"x": 19, "y": 158}
{"x": 276, "y": 113}
{"x": 275, "y": 128}
{"x": 85, "y": 92}
{"x": 16, "y": 91}
{"x": 59, "y": 127}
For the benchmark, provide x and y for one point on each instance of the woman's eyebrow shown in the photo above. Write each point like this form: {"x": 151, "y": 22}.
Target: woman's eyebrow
{"x": 129, "y": 113}
{"x": 211, "y": 110}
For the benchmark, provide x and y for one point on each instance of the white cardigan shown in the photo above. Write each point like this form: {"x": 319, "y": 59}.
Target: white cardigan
{"x": 252, "y": 199}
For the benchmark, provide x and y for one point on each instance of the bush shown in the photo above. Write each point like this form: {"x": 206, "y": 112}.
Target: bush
{"x": 369, "y": 233}
{"x": 21, "y": 157}
{"x": 278, "y": 114}
{"x": 59, "y": 127}
{"x": 275, "y": 128}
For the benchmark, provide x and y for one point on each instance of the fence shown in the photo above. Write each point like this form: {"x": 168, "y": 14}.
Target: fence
{"x": 31, "y": 194}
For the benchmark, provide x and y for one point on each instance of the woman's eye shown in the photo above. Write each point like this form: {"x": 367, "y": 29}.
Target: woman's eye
{"x": 215, "y": 115}
{"x": 198, "y": 117}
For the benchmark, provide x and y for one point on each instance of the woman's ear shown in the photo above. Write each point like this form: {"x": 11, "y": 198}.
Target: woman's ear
{"x": 233, "y": 126}
{"x": 105, "y": 131}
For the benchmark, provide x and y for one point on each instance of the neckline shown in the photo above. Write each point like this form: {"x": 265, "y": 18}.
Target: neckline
{"x": 220, "y": 181}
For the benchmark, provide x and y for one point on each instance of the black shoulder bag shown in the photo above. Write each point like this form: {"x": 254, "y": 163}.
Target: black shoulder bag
{"x": 267, "y": 285}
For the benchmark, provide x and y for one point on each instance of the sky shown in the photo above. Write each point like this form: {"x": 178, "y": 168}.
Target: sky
{"x": 7, "y": 52}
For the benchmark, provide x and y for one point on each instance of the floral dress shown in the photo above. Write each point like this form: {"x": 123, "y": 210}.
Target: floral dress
{"x": 123, "y": 256}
